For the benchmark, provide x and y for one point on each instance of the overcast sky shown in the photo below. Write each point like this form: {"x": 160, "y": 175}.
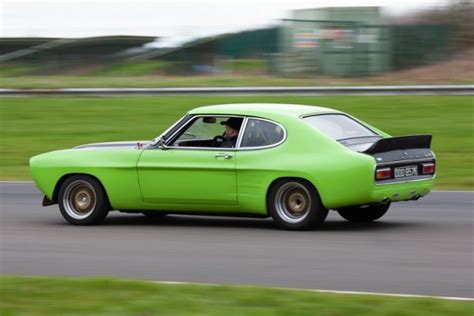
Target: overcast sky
{"x": 190, "y": 18}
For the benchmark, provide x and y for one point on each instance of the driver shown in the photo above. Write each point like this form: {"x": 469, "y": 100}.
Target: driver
{"x": 232, "y": 128}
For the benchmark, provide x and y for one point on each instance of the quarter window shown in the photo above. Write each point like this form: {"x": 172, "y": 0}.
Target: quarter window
{"x": 259, "y": 133}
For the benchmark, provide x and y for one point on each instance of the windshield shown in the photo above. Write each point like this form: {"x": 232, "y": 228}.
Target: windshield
{"x": 170, "y": 131}
{"x": 339, "y": 126}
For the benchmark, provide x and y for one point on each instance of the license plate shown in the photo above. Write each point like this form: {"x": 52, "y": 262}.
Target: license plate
{"x": 404, "y": 172}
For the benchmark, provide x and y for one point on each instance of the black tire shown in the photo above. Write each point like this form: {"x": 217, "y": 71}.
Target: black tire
{"x": 154, "y": 214}
{"x": 83, "y": 201}
{"x": 294, "y": 204}
{"x": 364, "y": 214}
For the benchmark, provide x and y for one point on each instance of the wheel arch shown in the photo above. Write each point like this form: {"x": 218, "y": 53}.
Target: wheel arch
{"x": 292, "y": 178}
{"x": 63, "y": 178}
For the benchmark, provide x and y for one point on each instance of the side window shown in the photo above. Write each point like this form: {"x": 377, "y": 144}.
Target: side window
{"x": 203, "y": 128}
{"x": 209, "y": 131}
{"x": 259, "y": 133}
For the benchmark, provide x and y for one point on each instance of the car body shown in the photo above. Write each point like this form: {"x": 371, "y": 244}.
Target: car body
{"x": 323, "y": 158}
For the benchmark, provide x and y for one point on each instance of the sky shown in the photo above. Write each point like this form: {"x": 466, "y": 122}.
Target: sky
{"x": 172, "y": 19}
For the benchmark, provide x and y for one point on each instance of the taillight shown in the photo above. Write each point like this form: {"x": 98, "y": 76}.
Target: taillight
{"x": 384, "y": 173}
{"x": 429, "y": 168}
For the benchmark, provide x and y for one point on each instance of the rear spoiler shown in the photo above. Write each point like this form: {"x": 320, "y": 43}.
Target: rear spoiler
{"x": 399, "y": 143}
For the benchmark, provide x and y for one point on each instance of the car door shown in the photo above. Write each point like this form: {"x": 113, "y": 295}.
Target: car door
{"x": 189, "y": 169}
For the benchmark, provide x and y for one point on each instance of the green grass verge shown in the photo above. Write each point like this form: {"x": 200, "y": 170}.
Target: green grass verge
{"x": 27, "y": 82}
{"x": 16, "y": 70}
{"x": 143, "y": 68}
{"x": 138, "y": 76}
{"x": 160, "y": 67}
{"x": 35, "y": 125}
{"x": 101, "y": 296}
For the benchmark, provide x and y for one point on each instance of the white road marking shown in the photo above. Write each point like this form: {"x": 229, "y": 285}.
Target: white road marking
{"x": 324, "y": 291}
{"x": 453, "y": 191}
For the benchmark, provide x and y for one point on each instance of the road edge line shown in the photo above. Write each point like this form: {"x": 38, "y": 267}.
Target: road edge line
{"x": 452, "y": 298}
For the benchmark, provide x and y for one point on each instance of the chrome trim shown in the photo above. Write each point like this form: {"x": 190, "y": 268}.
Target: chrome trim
{"x": 239, "y": 139}
{"x": 283, "y": 139}
{"x": 302, "y": 116}
{"x": 223, "y": 155}
{"x": 241, "y": 135}
{"x": 178, "y": 130}
{"x": 192, "y": 118}
{"x": 155, "y": 141}
{"x": 405, "y": 161}
{"x": 201, "y": 148}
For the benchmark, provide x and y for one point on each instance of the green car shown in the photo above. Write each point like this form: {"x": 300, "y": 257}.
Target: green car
{"x": 290, "y": 162}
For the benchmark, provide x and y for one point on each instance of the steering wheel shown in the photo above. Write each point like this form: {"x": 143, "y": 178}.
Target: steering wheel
{"x": 218, "y": 140}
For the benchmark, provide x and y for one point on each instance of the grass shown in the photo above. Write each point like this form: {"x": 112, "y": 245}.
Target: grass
{"x": 104, "y": 296}
{"x": 160, "y": 67}
{"x": 28, "y": 82}
{"x": 142, "y": 68}
{"x": 249, "y": 65}
{"x": 122, "y": 76}
{"x": 16, "y": 70}
{"x": 30, "y": 126}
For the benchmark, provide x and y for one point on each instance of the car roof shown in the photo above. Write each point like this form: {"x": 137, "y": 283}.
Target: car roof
{"x": 267, "y": 110}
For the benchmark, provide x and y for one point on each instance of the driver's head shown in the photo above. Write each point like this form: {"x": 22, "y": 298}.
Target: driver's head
{"x": 232, "y": 126}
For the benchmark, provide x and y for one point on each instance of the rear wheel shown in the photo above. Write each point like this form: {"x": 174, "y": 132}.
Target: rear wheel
{"x": 83, "y": 201}
{"x": 364, "y": 214}
{"x": 294, "y": 204}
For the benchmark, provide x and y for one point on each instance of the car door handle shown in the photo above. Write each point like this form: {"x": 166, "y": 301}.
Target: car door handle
{"x": 223, "y": 155}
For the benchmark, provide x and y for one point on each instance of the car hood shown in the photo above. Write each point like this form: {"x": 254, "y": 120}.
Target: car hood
{"x": 124, "y": 144}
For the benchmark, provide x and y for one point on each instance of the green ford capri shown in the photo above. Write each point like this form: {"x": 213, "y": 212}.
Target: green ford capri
{"x": 290, "y": 162}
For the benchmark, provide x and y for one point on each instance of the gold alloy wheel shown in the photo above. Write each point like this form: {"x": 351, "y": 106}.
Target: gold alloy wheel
{"x": 79, "y": 199}
{"x": 293, "y": 202}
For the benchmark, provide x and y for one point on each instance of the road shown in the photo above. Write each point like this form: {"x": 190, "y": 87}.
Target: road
{"x": 423, "y": 247}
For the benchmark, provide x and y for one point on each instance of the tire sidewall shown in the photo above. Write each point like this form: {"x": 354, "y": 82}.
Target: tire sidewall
{"x": 317, "y": 213}
{"x": 101, "y": 207}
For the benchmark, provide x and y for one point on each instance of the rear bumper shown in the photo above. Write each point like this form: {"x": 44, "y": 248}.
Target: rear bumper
{"x": 401, "y": 191}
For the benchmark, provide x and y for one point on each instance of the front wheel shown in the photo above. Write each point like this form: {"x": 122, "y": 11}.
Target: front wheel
{"x": 83, "y": 201}
{"x": 294, "y": 204}
{"x": 364, "y": 214}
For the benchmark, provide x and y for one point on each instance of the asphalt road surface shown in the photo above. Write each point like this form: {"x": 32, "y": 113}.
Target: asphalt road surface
{"x": 423, "y": 247}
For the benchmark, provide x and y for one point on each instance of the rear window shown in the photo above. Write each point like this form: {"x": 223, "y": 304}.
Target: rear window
{"x": 338, "y": 126}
